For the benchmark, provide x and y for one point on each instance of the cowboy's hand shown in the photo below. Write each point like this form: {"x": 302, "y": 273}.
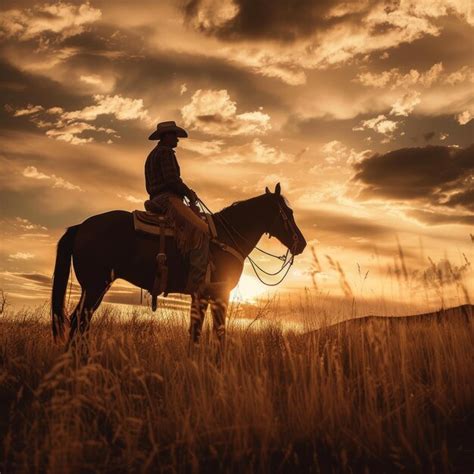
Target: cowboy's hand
{"x": 192, "y": 196}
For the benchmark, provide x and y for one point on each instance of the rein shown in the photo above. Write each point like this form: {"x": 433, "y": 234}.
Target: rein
{"x": 287, "y": 263}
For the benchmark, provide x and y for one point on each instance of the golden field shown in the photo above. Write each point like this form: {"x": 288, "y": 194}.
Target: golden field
{"x": 371, "y": 396}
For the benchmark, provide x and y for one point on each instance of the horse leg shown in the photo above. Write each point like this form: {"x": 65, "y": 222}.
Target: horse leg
{"x": 90, "y": 300}
{"x": 75, "y": 316}
{"x": 218, "y": 310}
{"x": 198, "y": 312}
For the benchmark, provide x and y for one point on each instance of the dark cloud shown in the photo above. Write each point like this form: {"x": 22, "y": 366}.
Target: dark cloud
{"x": 462, "y": 199}
{"x": 282, "y": 20}
{"x": 103, "y": 39}
{"x": 122, "y": 59}
{"x": 157, "y": 79}
{"x": 439, "y": 218}
{"x": 443, "y": 125}
{"x": 327, "y": 129}
{"x": 19, "y": 88}
{"x": 410, "y": 173}
{"x": 157, "y": 76}
{"x": 435, "y": 175}
{"x": 152, "y": 74}
{"x": 428, "y": 136}
{"x": 452, "y": 47}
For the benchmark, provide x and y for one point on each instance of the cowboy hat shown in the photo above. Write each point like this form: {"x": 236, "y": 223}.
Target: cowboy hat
{"x": 164, "y": 127}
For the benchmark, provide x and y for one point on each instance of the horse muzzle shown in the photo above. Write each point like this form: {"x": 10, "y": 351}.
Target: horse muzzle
{"x": 298, "y": 246}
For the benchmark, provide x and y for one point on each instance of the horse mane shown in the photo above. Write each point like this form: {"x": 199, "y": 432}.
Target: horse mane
{"x": 235, "y": 204}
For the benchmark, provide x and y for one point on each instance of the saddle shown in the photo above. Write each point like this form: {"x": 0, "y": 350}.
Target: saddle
{"x": 150, "y": 223}
{"x": 154, "y": 222}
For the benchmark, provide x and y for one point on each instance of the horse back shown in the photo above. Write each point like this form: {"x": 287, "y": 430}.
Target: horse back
{"x": 109, "y": 241}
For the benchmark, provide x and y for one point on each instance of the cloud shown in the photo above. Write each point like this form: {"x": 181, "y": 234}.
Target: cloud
{"x": 405, "y": 105}
{"x": 68, "y": 125}
{"x": 335, "y": 152}
{"x": 130, "y": 198}
{"x": 55, "y": 110}
{"x": 462, "y": 199}
{"x": 394, "y": 79}
{"x": 276, "y": 39}
{"x": 202, "y": 147}
{"x": 464, "y": 117}
{"x": 437, "y": 91}
{"x": 465, "y": 74}
{"x": 213, "y": 112}
{"x": 21, "y": 256}
{"x": 442, "y": 217}
{"x": 408, "y": 175}
{"x": 92, "y": 79}
{"x": 30, "y": 109}
{"x": 68, "y": 133}
{"x": 254, "y": 152}
{"x": 58, "y": 182}
{"x": 32, "y": 172}
{"x": 428, "y": 136}
{"x": 265, "y": 19}
{"x": 342, "y": 222}
{"x": 380, "y": 124}
{"x": 280, "y": 61}
{"x": 209, "y": 15}
{"x": 36, "y": 277}
{"x": 434, "y": 91}
{"x": 122, "y": 108}
{"x": 58, "y": 19}
{"x": 25, "y": 224}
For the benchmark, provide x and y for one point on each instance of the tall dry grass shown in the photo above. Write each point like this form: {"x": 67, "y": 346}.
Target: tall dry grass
{"x": 375, "y": 398}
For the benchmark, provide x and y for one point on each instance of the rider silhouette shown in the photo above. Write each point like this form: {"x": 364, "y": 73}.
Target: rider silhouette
{"x": 167, "y": 190}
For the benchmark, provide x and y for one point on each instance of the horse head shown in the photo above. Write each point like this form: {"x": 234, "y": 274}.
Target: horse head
{"x": 282, "y": 224}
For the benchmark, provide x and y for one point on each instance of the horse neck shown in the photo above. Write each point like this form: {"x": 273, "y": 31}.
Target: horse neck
{"x": 242, "y": 225}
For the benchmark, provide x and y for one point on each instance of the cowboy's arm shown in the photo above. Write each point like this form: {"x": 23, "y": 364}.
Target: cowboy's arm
{"x": 171, "y": 175}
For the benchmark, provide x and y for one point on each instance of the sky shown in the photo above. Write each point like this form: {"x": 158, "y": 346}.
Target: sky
{"x": 363, "y": 111}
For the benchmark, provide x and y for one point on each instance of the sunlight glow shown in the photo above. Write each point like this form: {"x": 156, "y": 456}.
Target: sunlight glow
{"x": 247, "y": 290}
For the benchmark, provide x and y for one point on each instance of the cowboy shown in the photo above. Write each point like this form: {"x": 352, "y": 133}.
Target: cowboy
{"x": 167, "y": 190}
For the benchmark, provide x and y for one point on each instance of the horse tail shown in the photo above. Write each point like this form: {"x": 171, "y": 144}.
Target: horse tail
{"x": 60, "y": 280}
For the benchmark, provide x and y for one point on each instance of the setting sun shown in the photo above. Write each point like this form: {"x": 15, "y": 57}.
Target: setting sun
{"x": 248, "y": 289}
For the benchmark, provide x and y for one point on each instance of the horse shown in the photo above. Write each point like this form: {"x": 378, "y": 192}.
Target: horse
{"x": 106, "y": 247}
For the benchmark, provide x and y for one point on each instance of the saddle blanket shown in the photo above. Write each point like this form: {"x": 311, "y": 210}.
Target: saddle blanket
{"x": 150, "y": 223}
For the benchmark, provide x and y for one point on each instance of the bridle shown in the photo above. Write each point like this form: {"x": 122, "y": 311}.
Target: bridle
{"x": 287, "y": 259}
{"x": 289, "y": 227}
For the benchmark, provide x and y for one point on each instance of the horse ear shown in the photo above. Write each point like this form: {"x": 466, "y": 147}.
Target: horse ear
{"x": 278, "y": 189}
{"x": 267, "y": 191}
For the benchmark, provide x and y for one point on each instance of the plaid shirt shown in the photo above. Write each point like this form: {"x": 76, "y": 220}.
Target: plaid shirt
{"x": 162, "y": 173}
